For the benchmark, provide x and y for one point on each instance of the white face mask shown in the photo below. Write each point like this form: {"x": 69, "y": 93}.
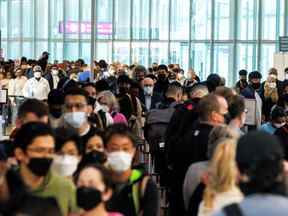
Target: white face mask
{"x": 148, "y": 90}
{"x": 105, "y": 108}
{"x": 75, "y": 119}
{"x": 279, "y": 125}
{"x": 120, "y": 161}
{"x": 37, "y": 74}
{"x": 55, "y": 72}
{"x": 65, "y": 165}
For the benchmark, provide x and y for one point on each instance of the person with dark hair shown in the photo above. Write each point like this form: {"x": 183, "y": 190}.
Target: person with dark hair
{"x": 76, "y": 113}
{"x": 212, "y": 82}
{"x": 242, "y": 83}
{"x": 54, "y": 76}
{"x": 31, "y": 110}
{"x": 37, "y": 86}
{"x": 278, "y": 120}
{"x": 237, "y": 113}
{"x": 94, "y": 190}
{"x": 55, "y": 103}
{"x": 139, "y": 73}
{"x": 260, "y": 161}
{"x": 91, "y": 89}
{"x": 252, "y": 92}
{"x": 43, "y": 60}
{"x": 192, "y": 147}
{"x": 95, "y": 143}
{"x": 101, "y": 85}
{"x": 130, "y": 105}
{"x": 162, "y": 83}
{"x": 34, "y": 148}
{"x": 120, "y": 145}
{"x": 68, "y": 152}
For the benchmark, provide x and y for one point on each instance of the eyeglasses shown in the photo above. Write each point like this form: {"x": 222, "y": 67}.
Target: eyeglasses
{"x": 41, "y": 150}
{"x": 78, "y": 106}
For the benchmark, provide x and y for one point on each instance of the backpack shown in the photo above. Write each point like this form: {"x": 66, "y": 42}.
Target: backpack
{"x": 233, "y": 210}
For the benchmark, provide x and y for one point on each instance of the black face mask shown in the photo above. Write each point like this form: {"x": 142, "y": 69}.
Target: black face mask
{"x": 56, "y": 113}
{"x": 88, "y": 198}
{"x": 40, "y": 166}
{"x": 255, "y": 85}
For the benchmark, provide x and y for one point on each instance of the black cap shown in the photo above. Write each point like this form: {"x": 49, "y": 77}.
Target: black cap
{"x": 243, "y": 73}
{"x": 255, "y": 75}
{"x": 258, "y": 146}
{"x": 277, "y": 112}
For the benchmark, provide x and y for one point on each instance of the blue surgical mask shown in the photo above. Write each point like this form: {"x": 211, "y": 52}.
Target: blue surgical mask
{"x": 75, "y": 119}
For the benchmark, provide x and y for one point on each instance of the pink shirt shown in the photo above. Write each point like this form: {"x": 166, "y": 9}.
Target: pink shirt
{"x": 119, "y": 118}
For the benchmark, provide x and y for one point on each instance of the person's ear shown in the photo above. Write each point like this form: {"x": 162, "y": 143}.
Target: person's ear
{"x": 107, "y": 195}
{"x": 19, "y": 154}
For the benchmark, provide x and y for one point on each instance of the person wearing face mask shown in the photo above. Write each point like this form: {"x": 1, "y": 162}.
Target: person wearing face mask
{"x": 36, "y": 87}
{"x": 109, "y": 104}
{"x": 192, "y": 78}
{"x": 151, "y": 98}
{"x": 252, "y": 92}
{"x": 242, "y": 83}
{"x": 91, "y": 89}
{"x": 162, "y": 83}
{"x": 121, "y": 148}
{"x": 76, "y": 111}
{"x": 237, "y": 114}
{"x": 34, "y": 150}
{"x": 278, "y": 120}
{"x": 54, "y": 77}
{"x": 94, "y": 189}
{"x": 55, "y": 103}
{"x": 68, "y": 152}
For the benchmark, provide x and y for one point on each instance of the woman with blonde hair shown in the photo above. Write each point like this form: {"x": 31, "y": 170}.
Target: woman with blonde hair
{"x": 221, "y": 186}
{"x": 109, "y": 104}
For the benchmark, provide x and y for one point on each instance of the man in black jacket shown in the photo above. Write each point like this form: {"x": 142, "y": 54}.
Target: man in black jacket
{"x": 193, "y": 146}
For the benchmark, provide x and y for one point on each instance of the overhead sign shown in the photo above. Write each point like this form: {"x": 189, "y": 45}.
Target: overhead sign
{"x": 283, "y": 44}
{"x": 74, "y": 27}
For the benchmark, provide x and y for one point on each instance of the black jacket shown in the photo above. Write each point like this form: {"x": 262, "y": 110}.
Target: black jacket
{"x": 156, "y": 99}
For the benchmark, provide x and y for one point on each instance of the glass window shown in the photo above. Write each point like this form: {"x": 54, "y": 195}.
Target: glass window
{"x": 57, "y": 53}
{"x": 121, "y": 52}
{"x": 104, "y": 19}
{"x": 159, "y": 52}
{"x": 27, "y": 19}
{"x": 200, "y": 59}
{"x": 41, "y": 46}
{"x": 273, "y": 17}
{"x": 179, "y": 54}
{"x": 56, "y": 19}
{"x": 72, "y": 25}
{"x": 140, "y": 19}
{"x": 41, "y": 18}
{"x": 159, "y": 20}
{"x": 223, "y": 62}
{"x": 85, "y": 19}
{"x": 4, "y": 16}
{"x": 122, "y": 19}
{"x": 247, "y": 57}
{"x": 27, "y": 48}
{"x": 15, "y": 19}
{"x": 179, "y": 19}
{"x": 201, "y": 19}
{"x": 266, "y": 61}
{"x": 71, "y": 51}
{"x": 14, "y": 52}
{"x": 223, "y": 20}
{"x": 104, "y": 51}
{"x": 85, "y": 52}
{"x": 248, "y": 14}
{"x": 4, "y": 49}
{"x": 140, "y": 53}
